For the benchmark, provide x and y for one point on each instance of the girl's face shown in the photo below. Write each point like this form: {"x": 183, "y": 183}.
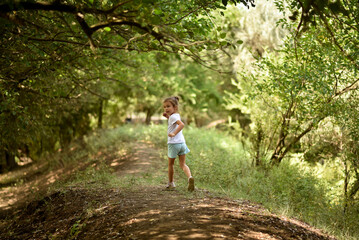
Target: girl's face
{"x": 169, "y": 108}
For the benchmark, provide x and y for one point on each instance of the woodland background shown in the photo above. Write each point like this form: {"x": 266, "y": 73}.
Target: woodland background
{"x": 279, "y": 78}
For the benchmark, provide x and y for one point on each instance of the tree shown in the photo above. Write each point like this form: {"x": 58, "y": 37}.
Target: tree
{"x": 133, "y": 25}
{"x": 304, "y": 83}
{"x": 326, "y": 34}
{"x": 303, "y": 87}
{"x": 315, "y": 79}
{"x": 347, "y": 117}
{"x": 51, "y": 81}
{"x": 255, "y": 34}
{"x": 339, "y": 19}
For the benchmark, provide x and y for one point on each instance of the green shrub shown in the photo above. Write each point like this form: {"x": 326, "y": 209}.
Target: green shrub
{"x": 294, "y": 188}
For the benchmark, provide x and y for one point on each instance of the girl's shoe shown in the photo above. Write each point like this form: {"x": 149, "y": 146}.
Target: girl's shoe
{"x": 170, "y": 186}
{"x": 191, "y": 184}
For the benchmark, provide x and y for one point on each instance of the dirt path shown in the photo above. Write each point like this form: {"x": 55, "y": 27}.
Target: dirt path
{"x": 147, "y": 212}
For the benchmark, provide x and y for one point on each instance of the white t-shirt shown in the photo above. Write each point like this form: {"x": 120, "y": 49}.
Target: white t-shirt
{"x": 172, "y": 126}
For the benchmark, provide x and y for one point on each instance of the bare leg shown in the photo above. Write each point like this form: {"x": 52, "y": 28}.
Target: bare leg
{"x": 171, "y": 162}
{"x": 183, "y": 165}
{"x": 187, "y": 171}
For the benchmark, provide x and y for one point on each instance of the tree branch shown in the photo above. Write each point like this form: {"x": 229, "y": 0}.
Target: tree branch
{"x": 353, "y": 86}
{"x": 189, "y": 13}
{"x": 294, "y": 141}
{"x": 326, "y": 24}
{"x": 54, "y": 6}
{"x": 111, "y": 10}
{"x": 85, "y": 27}
{"x": 149, "y": 30}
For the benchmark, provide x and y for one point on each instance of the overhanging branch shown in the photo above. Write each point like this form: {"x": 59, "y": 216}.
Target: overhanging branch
{"x": 54, "y": 6}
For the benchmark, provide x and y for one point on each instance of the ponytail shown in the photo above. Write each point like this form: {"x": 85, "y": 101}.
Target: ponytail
{"x": 173, "y": 100}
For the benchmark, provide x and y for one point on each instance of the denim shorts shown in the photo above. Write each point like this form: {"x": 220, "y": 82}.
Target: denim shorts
{"x": 177, "y": 149}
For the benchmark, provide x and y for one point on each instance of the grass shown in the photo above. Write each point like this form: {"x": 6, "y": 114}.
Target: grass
{"x": 221, "y": 163}
{"x": 96, "y": 149}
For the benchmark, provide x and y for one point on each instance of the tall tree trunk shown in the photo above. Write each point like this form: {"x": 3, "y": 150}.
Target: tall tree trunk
{"x": 148, "y": 116}
{"x": 100, "y": 114}
{"x": 257, "y": 146}
{"x": 346, "y": 175}
{"x": 346, "y": 182}
{"x": 65, "y": 135}
{"x": 10, "y": 160}
{"x": 7, "y": 161}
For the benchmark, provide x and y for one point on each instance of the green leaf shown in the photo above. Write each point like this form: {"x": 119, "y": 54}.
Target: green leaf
{"x": 223, "y": 35}
{"x": 157, "y": 11}
{"x": 107, "y": 29}
{"x": 239, "y": 42}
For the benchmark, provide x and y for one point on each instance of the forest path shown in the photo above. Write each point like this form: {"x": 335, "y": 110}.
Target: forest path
{"x": 147, "y": 211}
{"x": 152, "y": 213}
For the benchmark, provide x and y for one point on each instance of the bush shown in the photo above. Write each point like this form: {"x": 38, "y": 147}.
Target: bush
{"x": 310, "y": 192}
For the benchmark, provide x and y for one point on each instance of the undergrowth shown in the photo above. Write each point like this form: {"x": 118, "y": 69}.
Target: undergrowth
{"x": 221, "y": 163}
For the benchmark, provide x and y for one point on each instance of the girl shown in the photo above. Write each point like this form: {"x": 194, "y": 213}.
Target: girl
{"x": 176, "y": 142}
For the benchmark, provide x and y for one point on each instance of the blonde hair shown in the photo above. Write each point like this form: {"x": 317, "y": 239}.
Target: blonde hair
{"x": 173, "y": 100}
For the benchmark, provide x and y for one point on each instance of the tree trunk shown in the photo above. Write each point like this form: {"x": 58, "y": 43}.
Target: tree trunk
{"x": 10, "y": 160}
{"x": 258, "y": 145}
{"x": 7, "y": 161}
{"x": 100, "y": 114}
{"x": 283, "y": 134}
{"x": 275, "y": 159}
{"x": 354, "y": 189}
{"x": 149, "y": 114}
{"x": 282, "y": 149}
{"x": 346, "y": 175}
{"x": 65, "y": 135}
{"x": 346, "y": 182}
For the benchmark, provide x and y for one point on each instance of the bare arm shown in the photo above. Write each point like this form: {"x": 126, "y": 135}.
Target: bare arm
{"x": 178, "y": 129}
